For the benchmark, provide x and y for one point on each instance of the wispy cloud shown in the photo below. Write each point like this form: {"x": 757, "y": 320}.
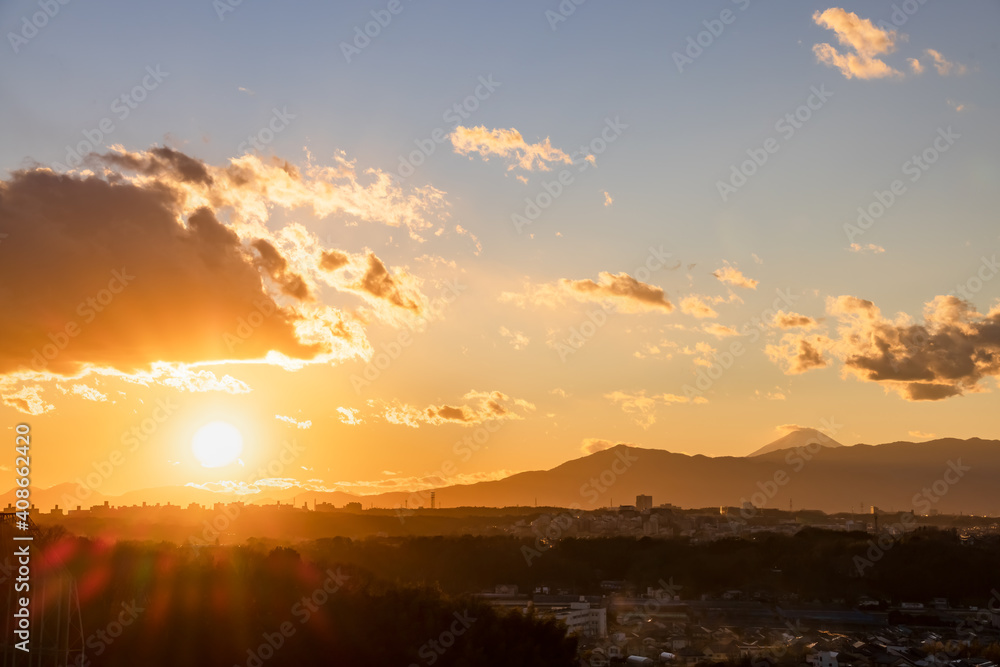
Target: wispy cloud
{"x": 693, "y": 305}
{"x": 480, "y": 406}
{"x": 508, "y": 144}
{"x": 27, "y": 400}
{"x": 594, "y": 445}
{"x": 294, "y": 422}
{"x": 516, "y": 339}
{"x": 613, "y": 289}
{"x": 944, "y": 66}
{"x": 643, "y": 409}
{"x": 730, "y": 275}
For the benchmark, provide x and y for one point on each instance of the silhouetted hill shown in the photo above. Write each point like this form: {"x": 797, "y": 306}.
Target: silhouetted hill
{"x": 891, "y": 476}
{"x": 948, "y": 475}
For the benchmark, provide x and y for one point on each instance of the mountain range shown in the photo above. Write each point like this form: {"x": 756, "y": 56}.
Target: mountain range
{"x": 948, "y": 475}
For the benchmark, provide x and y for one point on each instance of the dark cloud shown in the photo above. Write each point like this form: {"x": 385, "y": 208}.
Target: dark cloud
{"x": 448, "y": 413}
{"x": 950, "y": 353}
{"x": 624, "y": 287}
{"x": 158, "y": 161}
{"x": 331, "y": 260}
{"x": 378, "y": 282}
{"x": 799, "y": 354}
{"x": 785, "y": 320}
{"x": 276, "y": 266}
{"x": 102, "y": 273}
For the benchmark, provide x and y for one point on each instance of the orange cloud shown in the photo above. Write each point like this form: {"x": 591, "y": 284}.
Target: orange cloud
{"x": 27, "y": 400}
{"x": 798, "y": 354}
{"x": 149, "y": 263}
{"x": 871, "y": 247}
{"x": 785, "y": 320}
{"x": 507, "y": 144}
{"x": 720, "y": 330}
{"x": 730, "y": 275}
{"x": 480, "y": 407}
{"x": 643, "y": 408}
{"x": 594, "y": 445}
{"x": 151, "y": 290}
{"x": 694, "y": 306}
{"x": 949, "y": 354}
{"x": 944, "y": 66}
{"x": 860, "y": 36}
{"x": 620, "y": 290}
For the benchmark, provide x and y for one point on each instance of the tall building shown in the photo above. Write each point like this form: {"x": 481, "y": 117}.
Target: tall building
{"x": 643, "y": 503}
{"x": 433, "y": 499}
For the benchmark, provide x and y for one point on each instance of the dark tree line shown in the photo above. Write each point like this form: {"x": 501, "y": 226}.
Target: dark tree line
{"x": 813, "y": 564}
{"x": 163, "y": 604}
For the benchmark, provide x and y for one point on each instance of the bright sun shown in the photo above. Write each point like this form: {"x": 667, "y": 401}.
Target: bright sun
{"x": 216, "y": 444}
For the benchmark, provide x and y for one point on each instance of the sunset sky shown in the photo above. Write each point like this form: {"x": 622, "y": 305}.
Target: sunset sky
{"x": 679, "y": 225}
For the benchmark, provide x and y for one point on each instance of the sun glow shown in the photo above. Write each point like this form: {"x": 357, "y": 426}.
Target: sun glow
{"x": 217, "y": 444}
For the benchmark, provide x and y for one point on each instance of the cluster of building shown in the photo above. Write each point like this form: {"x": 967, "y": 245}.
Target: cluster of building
{"x": 700, "y": 525}
{"x": 643, "y": 519}
{"x": 105, "y": 509}
{"x": 660, "y": 629}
